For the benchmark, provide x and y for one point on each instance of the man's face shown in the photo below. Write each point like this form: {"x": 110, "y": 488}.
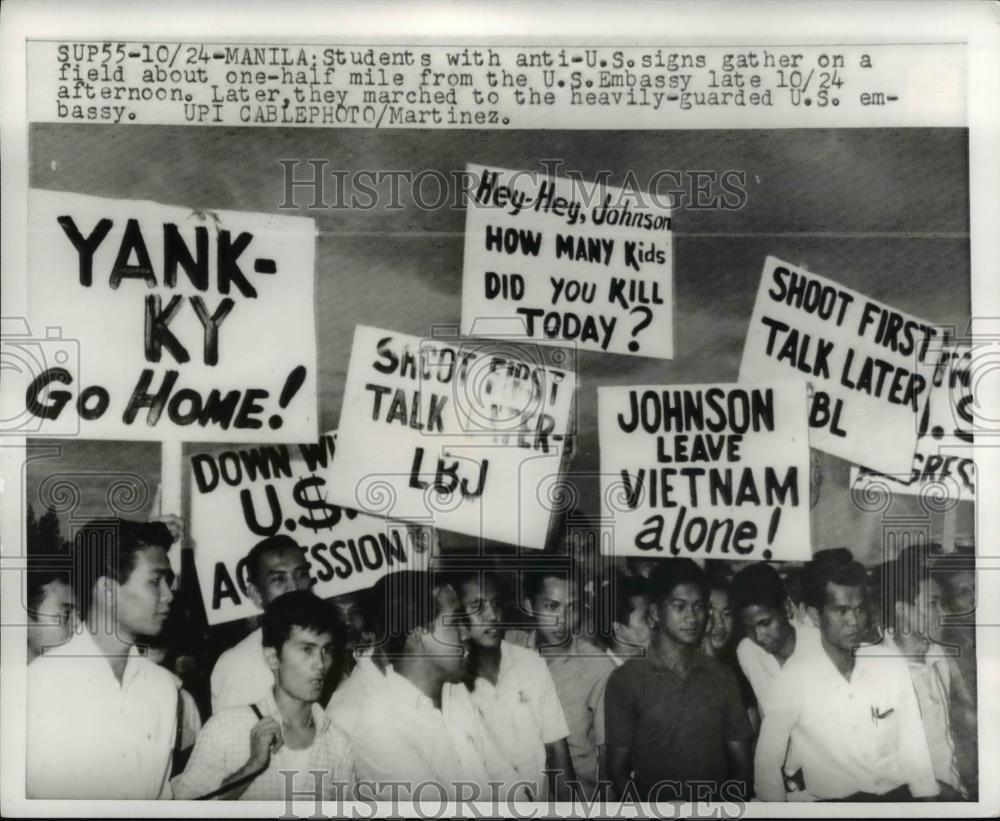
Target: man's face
{"x": 843, "y": 617}
{"x": 446, "y": 642}
{"x": 52, "y": 621}
{"x": 636, "y": 631}
{"x": 720, "y": 619}
{"x": 142, "y": 602}
{"x": 962, "y": 593}
{"x": 555, "y": 611}
{"x": 351, "y": 610}
{"x": 922, "y": 618}
{"x": 281, "y": 571}
{"x": 681, "y": 614}
{"x": 766, "y": 626}
{"x": 481, "y": 605}
{"x": 303, "y": 663}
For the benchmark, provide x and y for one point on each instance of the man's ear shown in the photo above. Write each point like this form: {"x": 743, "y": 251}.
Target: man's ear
{"x": 271, "y": 658}
{"x": 813, "y": 614}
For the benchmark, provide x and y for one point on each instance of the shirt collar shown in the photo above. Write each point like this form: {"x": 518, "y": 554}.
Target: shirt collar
{"x": 83, "y": 645}
{"x": 405, "y": 690}
{"x": 269, "y": 707}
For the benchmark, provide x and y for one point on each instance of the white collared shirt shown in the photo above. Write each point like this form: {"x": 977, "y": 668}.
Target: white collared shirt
{"x": 400, "y": 736}
{"x": 91, "y": 736}
{"x": 761, "y": 668}
{"x": 522, "y": 713}
{"x": 224, "y": 747}
{"x": 862, "y": 735}
{"x": 931, "y": 677}
{"x": 241, "y": 676}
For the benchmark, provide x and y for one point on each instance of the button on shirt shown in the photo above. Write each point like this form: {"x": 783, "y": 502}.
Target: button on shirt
{"x": 862, "y": 735}
{"x": 241, "y": 676}
{"x": 522, "y": 712}
{"x": 91, "y": 736}
{"x": 674, "y": 727}
{"x": 224, "y": 747}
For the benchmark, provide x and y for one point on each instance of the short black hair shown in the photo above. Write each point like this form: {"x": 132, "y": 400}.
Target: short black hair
{"x": 302, "y": 609}
{"x": 108, "y": 547}
{"x": 43, "y": 570}
{"x": 404, "y": 601}
{"x": 626, "y": 589}
{"x": 758, "y": 584}
{"x": 835, "y": 566}
{"x": 669, "y": 574}
{"x": 272, "y": 544}
{"x": 564, "y": 569}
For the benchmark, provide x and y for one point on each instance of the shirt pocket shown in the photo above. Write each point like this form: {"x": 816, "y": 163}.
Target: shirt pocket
{"x": 885, "y": 729}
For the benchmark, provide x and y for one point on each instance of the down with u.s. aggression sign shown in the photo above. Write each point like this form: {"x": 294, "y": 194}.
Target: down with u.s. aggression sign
{"x": 144, "y": 314}
{"x": 705, "y": 471}
{"x": 243, "y": 495}
{"x": 464, "y": 435}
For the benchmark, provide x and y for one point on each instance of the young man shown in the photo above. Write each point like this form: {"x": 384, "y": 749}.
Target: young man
{"x": 911, "y": 615}
{"x": 762, "y": 607}
{"x": 101, "y": 718}
{"x": 512, "y": 691}
{"x": 50, "y": 608}
{"x": 676, "y": 717}
{"x": 409, "y": 726}
{"x": 853, "y": 721}
{"x": 579, "y": 670}
{"x": 275, "y": 566}
{"x": 630, "y": 629}
{"x": 284, "y": 745}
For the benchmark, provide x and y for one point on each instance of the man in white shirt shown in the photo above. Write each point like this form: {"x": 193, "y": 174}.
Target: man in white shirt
{"x": 911, "y": 614}
{"x": 762, "y": 607}
{"x": 514, "y": 692}
{"x": 853, "y": 721}
{"x": 283, "y": 746}
{"x": 275, "y": 566}
{"x": 102, "y": 718}
{"x": 410, "y": 728}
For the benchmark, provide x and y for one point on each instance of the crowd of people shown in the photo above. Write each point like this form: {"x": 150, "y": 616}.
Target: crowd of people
{"x": 556, "y": 677}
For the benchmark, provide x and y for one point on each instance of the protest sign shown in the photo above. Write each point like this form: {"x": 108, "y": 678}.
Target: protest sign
{"x": 239, "y": 497}
{"x": 459, "y": 434}
{"x": 568, "y": 263}
{"x": 942, "y": 464}
{"x": 706, "y": 471}
{"x": 153, "y": 309}
{"x": 860, "y": 357}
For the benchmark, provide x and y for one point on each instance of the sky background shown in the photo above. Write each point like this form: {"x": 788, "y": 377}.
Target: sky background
{"x": 882, "y": 211}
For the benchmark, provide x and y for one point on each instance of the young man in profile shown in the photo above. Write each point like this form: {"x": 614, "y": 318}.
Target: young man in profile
{"x": 275, "y": 566}
{"x": 852, "y": 720}
{"x": 102, "y": 718}
{"x": 410, "y": 725}
{"x": 630, "y": 629}
{"x": 513, "y": 691}
{"x": 284, "y": 745}
{"x": 675, "y": 716}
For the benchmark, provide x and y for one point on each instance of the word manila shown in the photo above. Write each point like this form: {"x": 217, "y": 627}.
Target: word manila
{"x": 558, "y": 272}
{"x": 132, "y": 261}
{"x": 724, "y": 468}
